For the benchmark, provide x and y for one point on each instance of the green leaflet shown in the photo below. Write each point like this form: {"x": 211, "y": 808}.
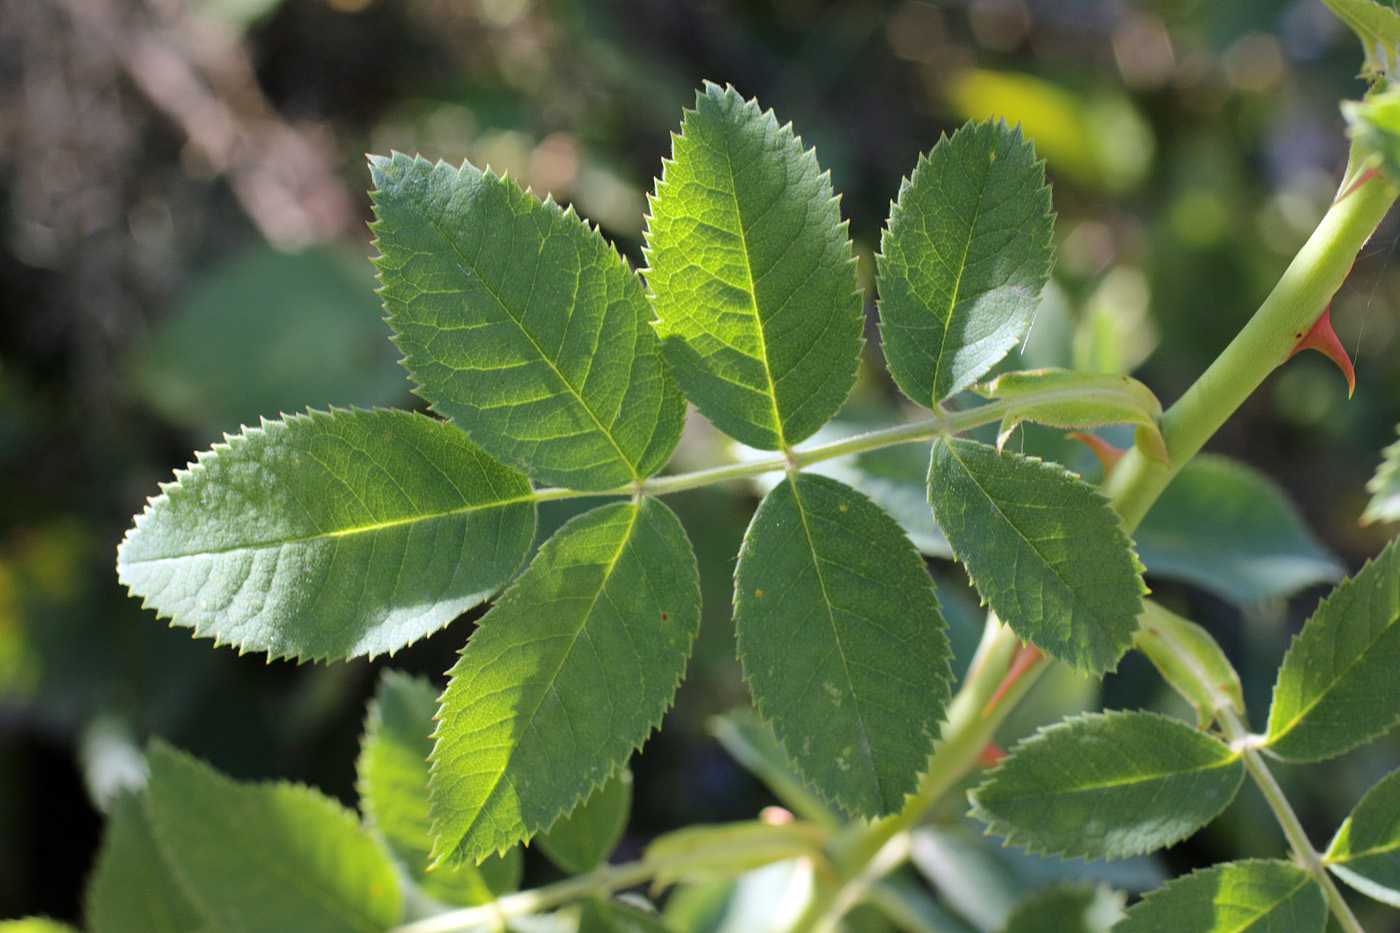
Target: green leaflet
{"x": 1253, "y": 896}
{"x": 132, "y": 888}
{"x": 1044, "y": 549}
{"x": 1067, "y": 908}
{"x": 275, "y": 856}
{"x": 563, "y": 678}
{"x": 393, "y": 784}
{"x": 1191, "y": 661}
{"x": 1109, "y": 785}
{"x": 842, "y": 642}
{"x": 1063, "y": 398}
{"x": 752, "y": 276}
{"x": 705, "y": 852}
{"x": 330, "y": 535}
{"x": 1374, "y": 123}
{"x": 522, "y": 326}
{"x": 587, "y": 835}
{"x": 1377, "y": 25}
{"x": 1337, "y": 687}
{"x": 963, "y": 260}
{"x": 1230, "y": 529}
{"x": 1365, "y": 852}
{"x": 1384, "y": 488}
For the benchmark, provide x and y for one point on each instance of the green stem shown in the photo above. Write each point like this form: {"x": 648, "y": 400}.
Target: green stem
{"x": 1264, "y": 343}
{"x": 1307, "y": 857}
{"x": 926, "y": 429}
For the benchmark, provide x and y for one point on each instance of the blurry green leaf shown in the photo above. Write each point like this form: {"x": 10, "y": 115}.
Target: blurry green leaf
{"x": 1228, "y": 528}
{"x": 911, "y": 907}
{"x": 963, "y": 260}
{"x": 842, "y": 642}
{"x": 522, "y": 326}
{"x": 1109, "y": 785}
{"x": 132, "y": 888}
{"x": 1374, "y": 125}
{"x": 1365, "y": 852}
{"x": 35, "y": 925}
{"x": 752, "y": 276}
{"x": 565, "y": 676}
{"x": 1236, "y": 897}
{"x": 613, "y": 915}
{"x": 275, "y": 856}
{"x": 1384, "y": 488}
{"x": 1337, "y": 687}
{"x": 723, "y": 850}
{"x": 772, "y": 899}
{"x": 330, "y": 535}
{"x": 1062, "y": 398}
{"x": 1191, "y": 661}
{"x": 1098, "y": 140}
{"x": 267, "y": 333}
{"x": 1045, "y": 550}
{"x": 1377, "y": 25}
{"x": 1077, "y": 908}
{"x": 584, "y": 838}
{"x": 393, "y": 788}
{"x": 751, "y": 742}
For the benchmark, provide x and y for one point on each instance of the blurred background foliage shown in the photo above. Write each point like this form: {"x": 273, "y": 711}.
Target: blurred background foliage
{"x": 182, "y": 250}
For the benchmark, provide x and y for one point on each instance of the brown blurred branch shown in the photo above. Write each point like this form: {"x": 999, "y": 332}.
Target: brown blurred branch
{"x": 199, "y": 75}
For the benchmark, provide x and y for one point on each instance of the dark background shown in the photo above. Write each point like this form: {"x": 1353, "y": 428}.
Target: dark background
{"x": 183, "y": 249}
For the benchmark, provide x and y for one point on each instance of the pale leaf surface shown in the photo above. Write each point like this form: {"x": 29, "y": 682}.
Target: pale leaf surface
{"x": 1063, "y": 398}
{"x": 1228, "y": 528}
{"x": 330, "y": 535}
{"x": 963, "y": 260}
{"x": 522, "y": 326}
{"x": 1109, "y": 786}
{"x": 274, "y": 856}
{"x": 132, "y": 888}
{"x": 842, "y": 641}
{"x": 1046, "y": 550}
{"x": 751, "y": 275}
{"x": 565, "y": 676}
{"x": 1365, "y": 852}
{"x": 1337, "y": 687}
{"x": 1236, "y": 897}
{"x": 393, "y": 784}
{"x": 1377, "y": 25}
{"x": 585, "y": 837}
{"x": 1384, "y": 488}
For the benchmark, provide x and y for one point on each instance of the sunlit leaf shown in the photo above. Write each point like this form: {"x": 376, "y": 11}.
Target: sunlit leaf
{"x": 330, "y": 535}
{"x": 522, "y": 326}
{"x": 565, "y": 676}
{"x": 235, "y": 848}
{"x": 393, "y": 786}
{"x": 1109, "y": 785}
{"x": 963, "y": 260}
{"x": 1062, "y": 398}
{"x": 1236, "y": 897}
{"x": 1337, "y": 687}
{"x": 1365, "y": 852}
{"x": 751, "y": 275}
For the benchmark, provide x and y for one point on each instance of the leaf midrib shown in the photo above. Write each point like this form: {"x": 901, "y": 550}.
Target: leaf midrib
{"x": 468, "y": 264}
{"x": 836, "y": 635}
{"x": 337, "y": 533}
{"x": 563, "y": 655}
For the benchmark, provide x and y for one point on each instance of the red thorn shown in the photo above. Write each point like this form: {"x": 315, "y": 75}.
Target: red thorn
{"x": 1322, "y": 338}
{"x": 1108, "y": 454}
{"x": 991, "y": 755}
{"x": 1026, "y": 657}
{"x": 1361, "y": 179}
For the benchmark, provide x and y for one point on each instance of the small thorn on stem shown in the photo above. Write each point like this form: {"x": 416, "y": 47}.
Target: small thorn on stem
{"x": 1108, "y": 454}
{"x": 1026, "y": 657}
{"x": 1361, "y": 179}
{"x": 1322, "y": 338}
{"x": 992, "y": 754}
